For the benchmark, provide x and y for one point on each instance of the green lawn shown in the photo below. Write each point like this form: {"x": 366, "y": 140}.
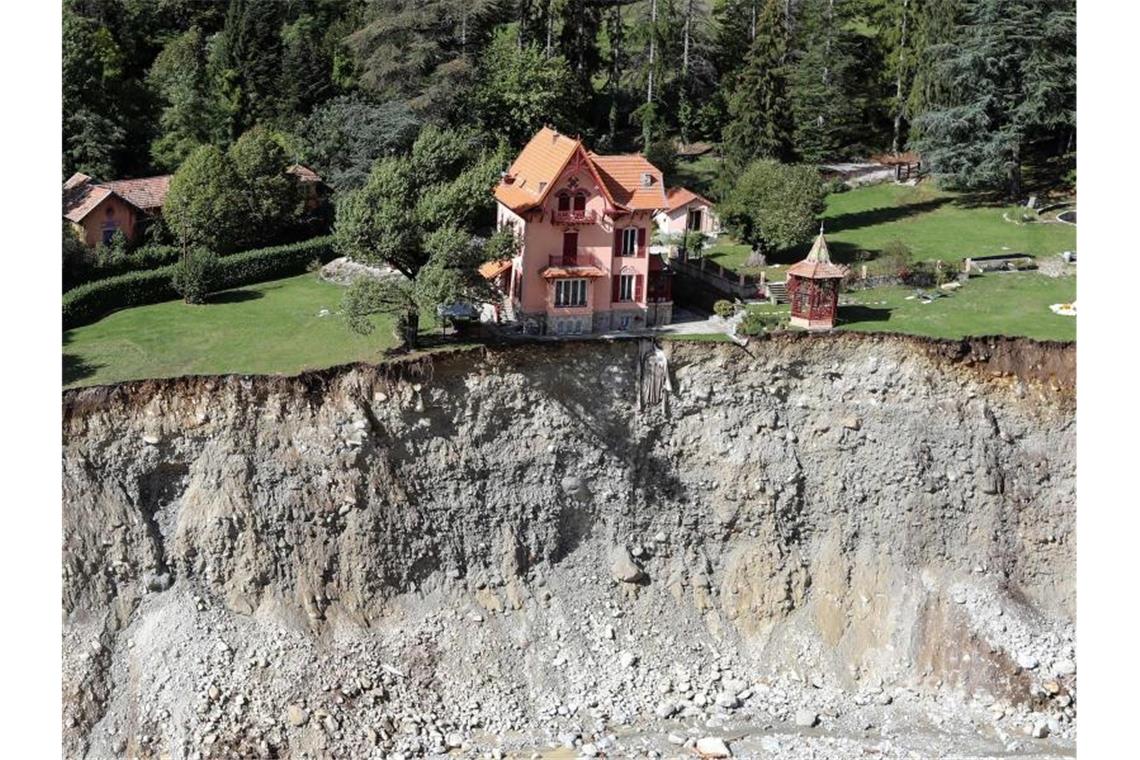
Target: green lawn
{"x": 273, "y": 327}
{"x": 935, "y": 225}
{"x": 1015, "y": 303}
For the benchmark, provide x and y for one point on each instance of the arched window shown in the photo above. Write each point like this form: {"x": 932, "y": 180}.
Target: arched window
{"x": 579, "y": 201}
{"x": 564, "y": 201}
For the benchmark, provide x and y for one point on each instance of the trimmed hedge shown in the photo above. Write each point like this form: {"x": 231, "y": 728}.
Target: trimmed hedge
{"x": 93, "y": 300}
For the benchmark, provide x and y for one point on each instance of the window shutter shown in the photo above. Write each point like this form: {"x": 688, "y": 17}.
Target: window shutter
{"x": 641, "y": 242}
{"x": 617, "y": 241}
{"x": 617, "y": 287}
{"x": 637, "y": 283}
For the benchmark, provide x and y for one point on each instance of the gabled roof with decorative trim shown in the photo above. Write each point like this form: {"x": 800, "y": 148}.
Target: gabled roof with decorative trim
{"x": 538, "y": 166}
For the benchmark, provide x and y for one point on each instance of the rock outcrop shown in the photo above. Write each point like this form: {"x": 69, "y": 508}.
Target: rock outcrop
{"x": 420, "y": 556}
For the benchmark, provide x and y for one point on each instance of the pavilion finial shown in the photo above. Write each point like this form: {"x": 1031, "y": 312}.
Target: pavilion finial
{"x": 821, "y": 226}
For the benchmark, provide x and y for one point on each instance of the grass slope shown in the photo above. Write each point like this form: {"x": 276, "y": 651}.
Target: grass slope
{"x": 1015, "y": 303}
{"x": 272, "y": 327}
{"x": 935, "y": 225}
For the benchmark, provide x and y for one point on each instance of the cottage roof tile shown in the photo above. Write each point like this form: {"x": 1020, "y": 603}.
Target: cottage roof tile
{"x": 146, "y": 193}
{"x": 80, "y": 200}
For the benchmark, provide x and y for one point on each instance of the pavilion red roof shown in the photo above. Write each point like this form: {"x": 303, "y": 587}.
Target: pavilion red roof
{"x": 817, "y": 265}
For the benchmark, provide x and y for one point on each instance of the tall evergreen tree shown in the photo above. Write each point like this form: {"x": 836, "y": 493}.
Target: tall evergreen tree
{"x": 832, "y": 81}
{"x": 760, "y": 114}
{"x": 190, "y": 114}
{"x": 990, "y": 108}
{"x": 251, "y": 52}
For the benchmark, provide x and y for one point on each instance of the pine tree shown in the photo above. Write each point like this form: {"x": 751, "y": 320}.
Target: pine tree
{"x": 760, "y": 123}
{"x": 989, "y": 109}
{"x": 190, "y": 116}
{"x": 829, "y": 81}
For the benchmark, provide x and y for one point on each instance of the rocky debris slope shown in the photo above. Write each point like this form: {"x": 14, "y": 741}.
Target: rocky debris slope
{"x": 815, "y": 546}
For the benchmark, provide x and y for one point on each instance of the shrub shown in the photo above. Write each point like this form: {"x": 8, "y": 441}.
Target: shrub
{"x": 724, "y": 309}
{"x": 93, "y": 300}
{"x": 195, "y": 275}
{"x": 897, "y": 257}
{"x": 755, "y": 323}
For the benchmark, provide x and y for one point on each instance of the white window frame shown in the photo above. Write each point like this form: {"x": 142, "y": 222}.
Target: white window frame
{"x": 629, "y": 241}
{"x": 625, "y": 287}
{"x": 571, "y": 293}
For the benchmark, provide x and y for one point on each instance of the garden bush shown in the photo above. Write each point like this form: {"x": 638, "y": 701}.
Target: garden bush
{"x": 724, "y": 309}
{"x": 93, "y": 300}
{"x": 195, "y": 276}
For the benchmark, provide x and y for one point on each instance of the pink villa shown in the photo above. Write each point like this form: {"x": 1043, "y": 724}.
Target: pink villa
{"x": 584, "y": 222}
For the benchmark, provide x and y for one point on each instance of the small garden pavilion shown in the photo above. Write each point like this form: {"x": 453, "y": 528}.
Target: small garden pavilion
{"x": 813, "y": 287}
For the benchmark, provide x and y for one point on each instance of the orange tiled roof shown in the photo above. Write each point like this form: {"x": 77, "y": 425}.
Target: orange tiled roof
{"x": 677, "y": 197}
{"x": 303, "y": 173}
{"x": 492, "y": 269}
{"x": 546, "y": 156}
{"x": 75, "y": 180}
{"x": 535, "y": 169}
{"x": 558, "y": 273}
{"x": 146, "y": 193}
{"x": 80, "y": 200}
{"x": 623, "y": 177}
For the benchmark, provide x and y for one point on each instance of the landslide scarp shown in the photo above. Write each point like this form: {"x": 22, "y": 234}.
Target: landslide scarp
{"x": 427, "y": 549}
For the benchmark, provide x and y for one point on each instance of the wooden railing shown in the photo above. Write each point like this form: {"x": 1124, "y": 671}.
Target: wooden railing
{"x": 576, "y": 260}
{"x": 575, "y": 217}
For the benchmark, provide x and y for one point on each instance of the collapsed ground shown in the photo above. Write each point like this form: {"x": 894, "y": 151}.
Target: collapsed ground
{"x": 818, "y": 546}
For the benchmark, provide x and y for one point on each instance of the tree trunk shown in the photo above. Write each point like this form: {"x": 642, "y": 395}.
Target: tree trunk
{"x": 1015, "y": 173}
{"x": 615, "y": 67}
{"x": 652, "y": 49}
{"x": 549, "y": 27}
{"x": 409, "y": 328}
{"x": 900, "y": 65}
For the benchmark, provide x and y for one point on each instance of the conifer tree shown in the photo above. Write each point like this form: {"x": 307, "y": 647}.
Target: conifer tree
{"x": 1004, "y": 88}
{"x": 760, "y": 123}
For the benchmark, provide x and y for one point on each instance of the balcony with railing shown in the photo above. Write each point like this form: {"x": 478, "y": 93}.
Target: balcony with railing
{"x": 575, "y": 216}
{"x": 573, "y": 265}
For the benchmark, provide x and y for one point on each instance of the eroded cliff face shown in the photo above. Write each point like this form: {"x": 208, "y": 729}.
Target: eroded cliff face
{"x": 484, "y": 546}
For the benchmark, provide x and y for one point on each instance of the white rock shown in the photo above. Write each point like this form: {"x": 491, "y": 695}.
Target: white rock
{"x": 806, "y": 718}
{"x": 711, "y": 746}
{"x": 297, "y": 715}
{"x": 627, "y": 659}
{"x": 727, "y": 700}
{"x": 1064, "y": 667}
{"x": 623, "y": 568}
{"x": 665, "y": 710}
{"x": 1027, "y": 661}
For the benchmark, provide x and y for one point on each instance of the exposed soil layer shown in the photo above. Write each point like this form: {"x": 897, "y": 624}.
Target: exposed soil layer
{"x": 837, "y": 545}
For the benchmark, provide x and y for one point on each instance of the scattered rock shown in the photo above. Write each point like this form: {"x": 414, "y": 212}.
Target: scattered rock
{"x": 624, "y": 569}
{"x": 1027, "y": 661}
{"x": 297, "y": 715}
{"x": 711, "y": 746}
{"x": 806, "y": 718}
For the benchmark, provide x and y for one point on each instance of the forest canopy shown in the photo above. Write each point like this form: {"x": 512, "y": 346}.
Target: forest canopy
{"x": 984, "y": 89}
